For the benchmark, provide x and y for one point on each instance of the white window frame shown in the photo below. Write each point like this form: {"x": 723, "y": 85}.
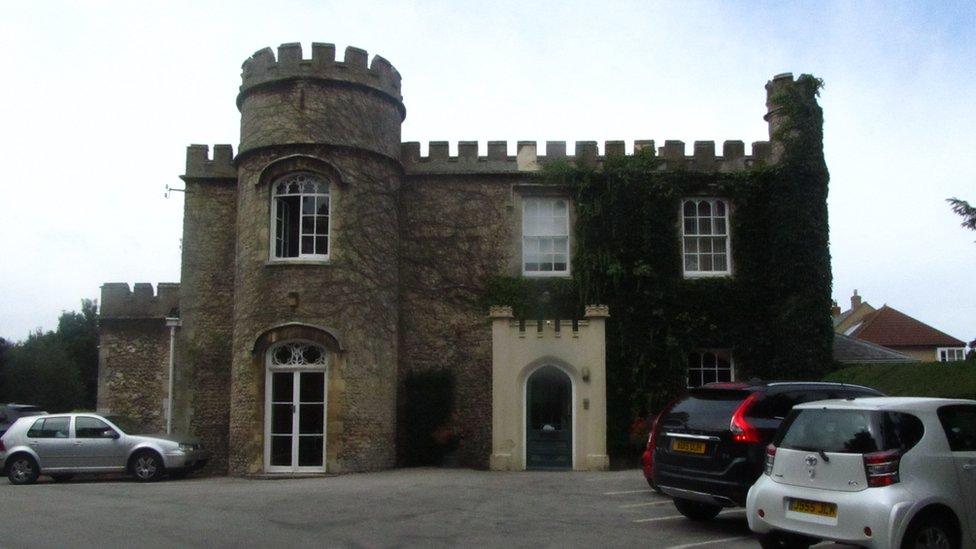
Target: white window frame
{"x": 942, "y": 354}
{"x": 541, "y": 199}
{"x": 727, "y": 235}
{"x": 301, "y": 257}
{"x": 701, "y": 368}
{"x": 294, "y": 367}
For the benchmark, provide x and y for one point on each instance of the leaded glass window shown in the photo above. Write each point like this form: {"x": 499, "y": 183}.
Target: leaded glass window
{"x": 705, "y": 237}
{"x": 301, "y": 208}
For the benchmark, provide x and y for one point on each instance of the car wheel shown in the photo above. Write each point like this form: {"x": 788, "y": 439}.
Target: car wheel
{"x": 930, "y": 532}
{"x": 147, "y": 467}
{"x": 62, "y": 478}
{"x": 780, "y": 540}
{"x": 22, "y": 470}
{"x": 696, "y": 510}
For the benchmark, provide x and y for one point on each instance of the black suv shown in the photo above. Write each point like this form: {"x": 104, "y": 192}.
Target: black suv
{"x": 708, "y": 446}
{"x": 9, "y": 413}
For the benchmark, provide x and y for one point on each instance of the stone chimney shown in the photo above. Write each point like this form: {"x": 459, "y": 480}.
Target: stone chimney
{"x": 834, "y": 309}
{"x": 855, "y": 301}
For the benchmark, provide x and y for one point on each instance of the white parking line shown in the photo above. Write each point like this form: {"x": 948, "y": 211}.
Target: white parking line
{"x": 626, "y": 492}
{"x": 709, "y": 542}
{"x": 672, "y": 517}
{"x": 647, "y": 504}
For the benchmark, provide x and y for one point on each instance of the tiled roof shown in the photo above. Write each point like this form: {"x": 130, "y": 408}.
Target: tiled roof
{"x": 850, "y": 350}
{"x": 893, "y": 328}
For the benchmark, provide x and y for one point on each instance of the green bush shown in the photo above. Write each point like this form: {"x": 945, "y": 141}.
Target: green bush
{"x": 931, "y": 379}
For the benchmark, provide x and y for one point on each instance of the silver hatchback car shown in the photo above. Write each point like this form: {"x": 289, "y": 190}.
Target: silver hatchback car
{"x": 61, "y": 445}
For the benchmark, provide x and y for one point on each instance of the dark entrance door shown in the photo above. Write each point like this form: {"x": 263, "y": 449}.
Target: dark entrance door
{"x": 549, "y": 432}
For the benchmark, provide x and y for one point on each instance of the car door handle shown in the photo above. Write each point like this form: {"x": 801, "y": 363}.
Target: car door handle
{"x": 968, "y": 466}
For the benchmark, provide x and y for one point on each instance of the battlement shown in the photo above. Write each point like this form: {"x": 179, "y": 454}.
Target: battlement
{"x": 262, "y": 67}
{"x": 200, "y": 165}
{"x": 119, "y": 302}
{"x": 497, "y": 160}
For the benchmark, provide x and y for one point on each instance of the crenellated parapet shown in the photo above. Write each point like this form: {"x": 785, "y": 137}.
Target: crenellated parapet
{"x": 199, "y": 164}
{"x": 673, "y": 156}
{"x": 262, "y": 68}
{"x": 119, "y": 302}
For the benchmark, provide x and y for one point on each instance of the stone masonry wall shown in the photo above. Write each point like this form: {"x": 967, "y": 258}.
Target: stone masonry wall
{"x": 202, "y": 381}
{"x": 355, "y": 295}
{"x": 132, "y": 369}
{"x": 455, "y": 232}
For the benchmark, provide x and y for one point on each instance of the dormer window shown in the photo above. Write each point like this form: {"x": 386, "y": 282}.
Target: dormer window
{"x": 300, "y": 209}
{"x": 705, "y": 237}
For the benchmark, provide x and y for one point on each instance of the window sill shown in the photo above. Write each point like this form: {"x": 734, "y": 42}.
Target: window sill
{"x": 707, "y": 274}
{"x": 535, "y": 274}
{"x": 277, "y": 262}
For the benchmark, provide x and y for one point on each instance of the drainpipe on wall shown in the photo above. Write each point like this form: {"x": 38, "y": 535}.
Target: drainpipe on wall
{"x": 173, "y": 324}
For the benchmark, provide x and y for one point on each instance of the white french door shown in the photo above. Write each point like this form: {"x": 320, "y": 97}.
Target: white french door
{"x": 295, "y": 416}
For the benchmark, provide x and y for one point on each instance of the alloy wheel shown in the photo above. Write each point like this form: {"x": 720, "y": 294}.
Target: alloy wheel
{"x": 932, "y": 537}
{"x": 145, "y": 467}
{"x": 22, "y": 470}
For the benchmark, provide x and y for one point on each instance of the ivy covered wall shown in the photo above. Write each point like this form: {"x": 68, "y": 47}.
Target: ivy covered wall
{"x": 773, "y": 312}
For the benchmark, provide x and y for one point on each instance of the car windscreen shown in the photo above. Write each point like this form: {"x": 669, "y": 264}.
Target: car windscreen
{"x": 848, "y": 431}
{"x": 128, "y": 425}
{"x": 704, "y": 409}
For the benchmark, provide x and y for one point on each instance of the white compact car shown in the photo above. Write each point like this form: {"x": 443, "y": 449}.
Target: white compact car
{"x": 877, "y": 472}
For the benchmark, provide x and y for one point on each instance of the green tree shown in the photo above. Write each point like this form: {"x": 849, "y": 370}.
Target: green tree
{"x": 78, "y": 335}
{"x": 40, "y": 371}
{"x": 4, "y": 349}
{"x": 967, "y": 212}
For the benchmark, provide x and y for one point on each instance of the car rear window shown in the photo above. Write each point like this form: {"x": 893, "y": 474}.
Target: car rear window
{"x": 705, "y": 409}
{"x": 849, "y": 431}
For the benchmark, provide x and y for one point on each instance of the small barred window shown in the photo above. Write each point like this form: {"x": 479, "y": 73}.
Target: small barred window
{"x": 705, "y": 237}
{"x": 301, "y": 208}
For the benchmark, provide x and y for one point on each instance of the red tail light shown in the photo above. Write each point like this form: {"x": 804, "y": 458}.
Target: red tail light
{"x": 770, "y": 459}
{"x": 742, "y": 430}
{"x": 881, "y": 468}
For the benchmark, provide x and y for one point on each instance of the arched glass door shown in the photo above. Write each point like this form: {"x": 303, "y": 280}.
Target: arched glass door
{"x": 295, "y": 407}
{"x": 549, "y": 420}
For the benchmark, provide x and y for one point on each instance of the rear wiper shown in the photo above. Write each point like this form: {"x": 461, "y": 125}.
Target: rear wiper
{"x": 819, "y": 451}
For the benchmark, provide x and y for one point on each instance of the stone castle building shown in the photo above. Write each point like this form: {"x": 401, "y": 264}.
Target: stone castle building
{"x": 327, "y": 262}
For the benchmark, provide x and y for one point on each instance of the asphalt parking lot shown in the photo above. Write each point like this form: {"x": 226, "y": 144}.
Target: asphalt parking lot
{"x": 406, "y": 507}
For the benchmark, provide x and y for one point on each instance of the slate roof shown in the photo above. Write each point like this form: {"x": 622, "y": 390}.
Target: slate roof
{"x": 850, "y": 350}
{"x": 893, "y": 328}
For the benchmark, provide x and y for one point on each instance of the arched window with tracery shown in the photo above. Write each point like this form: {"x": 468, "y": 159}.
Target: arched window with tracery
{"x": 301, "y": 208}
{"x": 296, "y": 407}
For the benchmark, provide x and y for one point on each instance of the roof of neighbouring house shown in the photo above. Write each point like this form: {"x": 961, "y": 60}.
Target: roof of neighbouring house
{"x": 850, "y": 350}
{"x": 893, "y": 328}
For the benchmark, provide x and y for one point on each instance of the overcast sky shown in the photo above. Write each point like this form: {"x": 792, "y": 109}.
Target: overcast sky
{"x": 98, "y": 101}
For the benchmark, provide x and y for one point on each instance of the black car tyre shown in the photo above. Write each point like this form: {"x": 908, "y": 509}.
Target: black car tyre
{"x": 62, "y": 478}
{"x": 147, "y": 466}
{"x": 696, "y": 510}
{"x": 931, "y": 531}
{"x": 22, "y": 469}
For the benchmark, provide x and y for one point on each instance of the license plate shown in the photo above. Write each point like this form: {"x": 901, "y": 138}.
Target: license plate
{"x": 687, "y": 446}
{"x": 819, "y": 508}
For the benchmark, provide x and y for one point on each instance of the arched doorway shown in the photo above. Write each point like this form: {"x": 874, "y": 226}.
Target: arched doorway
{"x": 295, "y": 407}
{"x": 549, "y": 419}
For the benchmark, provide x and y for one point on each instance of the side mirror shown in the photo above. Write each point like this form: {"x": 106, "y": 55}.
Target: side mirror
{"x": 109, "y": 433}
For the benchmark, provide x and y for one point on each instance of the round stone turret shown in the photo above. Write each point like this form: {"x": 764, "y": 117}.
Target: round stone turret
{"x": 318, "y": 182}
{"x": 320, "y": 100}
